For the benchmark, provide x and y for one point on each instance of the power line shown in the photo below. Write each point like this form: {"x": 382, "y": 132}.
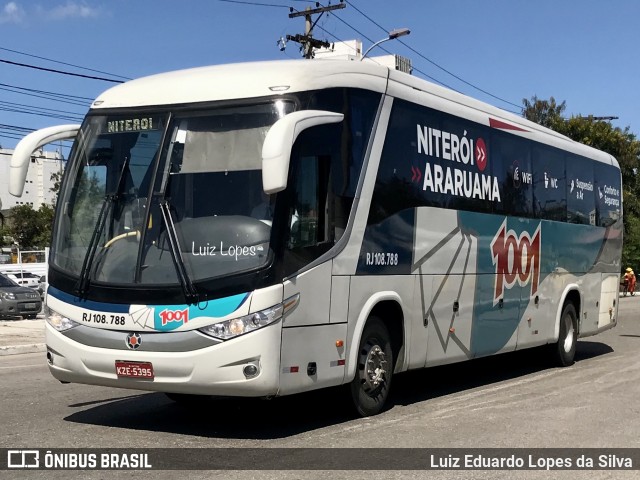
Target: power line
{"x": 40, "y": 111}
{"x": 60, "y": 71}
{"x": 59, "y": 117}
{"x": 33, "y": 106}
{"x": 14, "y": 132}
{"x": 16, "y": 128}
{"x": 424, "y": 74}
{"x": 50, "y": 98}
{"x": 45, "y": 92}
{"x": 388, "y": 52}
{"x": 434, "y": 63}
{"x": 63, "y": 63}
{"x": 256, "y": 4}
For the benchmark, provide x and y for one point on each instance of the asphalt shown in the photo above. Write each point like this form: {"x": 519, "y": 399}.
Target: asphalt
{"x": 22, "y": 336}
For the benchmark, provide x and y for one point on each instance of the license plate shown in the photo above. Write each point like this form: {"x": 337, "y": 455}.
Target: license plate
{"x": 141, "y": 370}
{"x": 29, "y": 306}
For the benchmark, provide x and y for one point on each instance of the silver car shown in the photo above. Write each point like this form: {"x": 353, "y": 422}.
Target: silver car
{"x": 18, "y": 300}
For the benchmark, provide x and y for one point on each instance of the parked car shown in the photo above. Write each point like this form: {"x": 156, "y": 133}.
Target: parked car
{"x": 18, "y": 300}
{"x": 25, "y": 278}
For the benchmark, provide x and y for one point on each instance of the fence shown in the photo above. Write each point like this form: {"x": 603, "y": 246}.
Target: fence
{"x": 33, "y": 261}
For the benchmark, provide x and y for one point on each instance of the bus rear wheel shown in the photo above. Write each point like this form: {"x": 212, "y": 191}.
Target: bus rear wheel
{"x": 370, "y": 387}
{"x": 564, "y": 351}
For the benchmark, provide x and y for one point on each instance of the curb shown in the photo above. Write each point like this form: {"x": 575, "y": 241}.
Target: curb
{"x": 18, "y": 349}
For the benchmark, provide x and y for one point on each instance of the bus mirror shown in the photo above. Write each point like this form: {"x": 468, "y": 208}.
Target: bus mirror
{"x": 276, "y": 149}
{"x": 22, "y": 154}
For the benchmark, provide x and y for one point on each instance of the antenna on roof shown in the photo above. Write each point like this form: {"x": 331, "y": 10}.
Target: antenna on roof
{"x": 306, "y": 41}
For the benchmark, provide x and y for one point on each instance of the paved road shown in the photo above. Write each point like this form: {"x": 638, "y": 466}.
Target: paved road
{"x": 512, "y": 400}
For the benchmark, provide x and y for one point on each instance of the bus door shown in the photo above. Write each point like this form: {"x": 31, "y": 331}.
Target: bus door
{"x": 310, "y": 356}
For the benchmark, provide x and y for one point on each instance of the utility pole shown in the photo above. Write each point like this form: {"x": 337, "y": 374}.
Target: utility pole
{"x": 307, "y": 41}
{"x": 591, "y": 117}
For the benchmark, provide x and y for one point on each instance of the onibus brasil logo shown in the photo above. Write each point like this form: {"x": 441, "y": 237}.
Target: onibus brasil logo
{"x": 516, "y": 259}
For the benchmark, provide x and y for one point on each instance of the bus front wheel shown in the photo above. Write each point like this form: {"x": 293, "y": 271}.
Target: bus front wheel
{"x": 564, "y": 350}
{"x": 370, "y": 387}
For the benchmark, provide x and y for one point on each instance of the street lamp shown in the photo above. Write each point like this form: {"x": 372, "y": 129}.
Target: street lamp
{"x": 393, "y": 34}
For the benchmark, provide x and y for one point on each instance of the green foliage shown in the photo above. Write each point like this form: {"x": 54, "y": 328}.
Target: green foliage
{"x": 56, "y": 178}
{"x": 631, "y": 249}
{"x": 31, "y": 228}
{"x": 622, "y": 144}
{"x": 545, "y": 112}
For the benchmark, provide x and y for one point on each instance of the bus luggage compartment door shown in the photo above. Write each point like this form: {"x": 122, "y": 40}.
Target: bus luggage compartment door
{"x": 312, "y": 357}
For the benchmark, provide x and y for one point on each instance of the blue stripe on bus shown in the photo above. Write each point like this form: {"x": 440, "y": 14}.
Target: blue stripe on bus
{"x": 220, "y": 307}
{"x": 88, "y": 304}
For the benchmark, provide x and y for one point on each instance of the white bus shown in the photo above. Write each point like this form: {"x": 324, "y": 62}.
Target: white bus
{"x": 264, "y": 229}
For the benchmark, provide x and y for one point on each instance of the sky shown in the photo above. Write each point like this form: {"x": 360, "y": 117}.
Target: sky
{"x": 582, "y": 52}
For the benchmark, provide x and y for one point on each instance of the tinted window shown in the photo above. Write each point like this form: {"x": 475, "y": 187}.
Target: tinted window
{"x": 7, "y": 282}
{"x": 581, "y": 202}
{"x": 549, "y": 190}
{"x": 359, "y": 108}
{"x": 400, "y": 174}
{"x": 326, "y": 162}
{"x": 433, "y": 159}
{"x": 608, "y": 194}
{"x": 472, "y": 185}
{"x": 511, "y": 160}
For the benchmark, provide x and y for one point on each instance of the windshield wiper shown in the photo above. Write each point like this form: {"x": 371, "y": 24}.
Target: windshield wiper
{"x": 105, "y": 211}
{"x": 190, "y": 292}
{"x": 83, "y": 281}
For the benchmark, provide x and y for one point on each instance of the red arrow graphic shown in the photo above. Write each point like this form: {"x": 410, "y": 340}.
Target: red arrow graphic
{"x": 481, "y": 154}
{"x": 416, "y": 174}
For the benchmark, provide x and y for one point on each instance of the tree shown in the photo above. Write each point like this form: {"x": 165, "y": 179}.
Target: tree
{"x": 620, "y": 143}
{"x": 31, "y": 228}
{"x": 56, "y": 178}
{"x": 545, "y": 112}
{"x": 45, "y": 224}
{"x": 24, "y": 225}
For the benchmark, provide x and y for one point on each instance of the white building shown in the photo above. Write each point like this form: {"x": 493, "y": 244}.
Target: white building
{"x": 38, "y": 185}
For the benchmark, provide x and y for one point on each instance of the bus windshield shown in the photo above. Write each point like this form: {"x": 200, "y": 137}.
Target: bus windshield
{"x": 150, "y": 196}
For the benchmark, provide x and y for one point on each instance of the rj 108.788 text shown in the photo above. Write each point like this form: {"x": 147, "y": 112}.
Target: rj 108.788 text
{"x": 102, "y": 318}
{"x": 382, "y": 258}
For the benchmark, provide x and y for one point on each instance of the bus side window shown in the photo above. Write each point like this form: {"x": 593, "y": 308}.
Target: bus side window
{"x": 608, "y": 192}
{"x": 311, "y": 211}
{"x": 550, "y": 185}
{"x": 581, "y": 200}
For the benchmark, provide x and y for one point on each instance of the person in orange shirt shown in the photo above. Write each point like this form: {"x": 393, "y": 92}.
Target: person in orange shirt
{"x": 630, "y": 280}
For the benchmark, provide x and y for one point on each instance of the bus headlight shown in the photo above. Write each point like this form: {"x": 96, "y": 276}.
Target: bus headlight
{"x": 239, "y": 326}
{"x": 57, "y": 321}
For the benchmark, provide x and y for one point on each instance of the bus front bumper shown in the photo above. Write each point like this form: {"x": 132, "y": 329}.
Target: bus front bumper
{"x": 214, "y": 370}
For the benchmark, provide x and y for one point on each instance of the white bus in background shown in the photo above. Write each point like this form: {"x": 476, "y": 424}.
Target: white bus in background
{"x": 270, "y": 228}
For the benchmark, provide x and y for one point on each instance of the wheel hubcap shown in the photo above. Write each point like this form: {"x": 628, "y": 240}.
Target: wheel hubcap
{"x": 568, "y": 340}
{"x": 374, "y": 368}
